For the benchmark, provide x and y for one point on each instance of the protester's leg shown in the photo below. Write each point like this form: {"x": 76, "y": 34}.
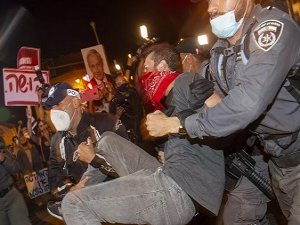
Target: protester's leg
{"x": 143, "y": 197}
{"x": 286, "y": 185}
{"x": 246, "y": 204}
{"x": 17, "y": 211}
{"x": 3, "y": 212}
{"x": 95, "y": 176}
{"x": 124, "y": 156}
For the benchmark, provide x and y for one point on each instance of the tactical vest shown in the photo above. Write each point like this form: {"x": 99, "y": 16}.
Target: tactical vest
{"x": 223, "y": 75}
{"x": 222, "y": 68}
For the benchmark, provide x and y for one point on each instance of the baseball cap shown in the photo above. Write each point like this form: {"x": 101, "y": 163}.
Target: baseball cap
{"x": 57, "y": 93}
{"x": 189, "y": 45}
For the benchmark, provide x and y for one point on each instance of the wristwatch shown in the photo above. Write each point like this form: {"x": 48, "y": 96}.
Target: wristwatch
{"x": 182, "y": 131}
{"x": 182, "y": 115}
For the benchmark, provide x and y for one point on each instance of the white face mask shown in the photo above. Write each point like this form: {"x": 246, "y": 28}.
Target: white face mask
{"x": 60, "y": 119}
{"x": 225, "y": 26}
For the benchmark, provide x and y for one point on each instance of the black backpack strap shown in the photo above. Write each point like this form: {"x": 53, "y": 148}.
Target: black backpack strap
{"x": 204, "y": 72}
{"x": 290, "y": 88}
{"x": 294, "y": 79}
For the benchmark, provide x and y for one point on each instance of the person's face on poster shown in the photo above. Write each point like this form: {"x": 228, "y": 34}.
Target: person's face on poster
{"x": 96, "y": 66}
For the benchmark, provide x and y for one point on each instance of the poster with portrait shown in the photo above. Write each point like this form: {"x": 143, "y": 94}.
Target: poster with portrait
{"x": 100, "y": 49}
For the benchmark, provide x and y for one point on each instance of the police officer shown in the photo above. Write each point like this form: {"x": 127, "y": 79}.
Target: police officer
{"x": 255, "y": 202}
{"x": 250, "y": 62}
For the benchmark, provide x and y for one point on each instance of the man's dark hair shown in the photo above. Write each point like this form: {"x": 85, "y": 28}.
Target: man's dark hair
{"x": 169, "y": 54}
{"x": 143, "y": 50}
{"x": 150, "y": 48}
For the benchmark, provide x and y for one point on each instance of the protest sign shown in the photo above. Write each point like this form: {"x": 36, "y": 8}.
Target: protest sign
{"x": 28, "y": 58}
{"x": 37, "y": 184}
{"x": 20, "y": 86}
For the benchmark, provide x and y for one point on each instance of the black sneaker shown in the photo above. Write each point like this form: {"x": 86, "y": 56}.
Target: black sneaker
{"x": 62, "y": 191}
{"x": 54, "y": 209}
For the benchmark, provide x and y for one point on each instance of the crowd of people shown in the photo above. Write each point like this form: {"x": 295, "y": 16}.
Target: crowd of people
{"x": 204, "y": 114}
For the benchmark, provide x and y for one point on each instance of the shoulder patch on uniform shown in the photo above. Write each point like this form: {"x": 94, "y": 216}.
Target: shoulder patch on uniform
{"x": 267, "y": 33}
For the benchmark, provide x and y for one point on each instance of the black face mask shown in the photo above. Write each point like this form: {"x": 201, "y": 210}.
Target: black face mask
{"x": 123, "y": 88}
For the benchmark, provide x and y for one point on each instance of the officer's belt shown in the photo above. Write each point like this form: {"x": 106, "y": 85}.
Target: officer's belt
{"x": 276, "y": 137}
{"x": 290, "y": 160}
{"x": 286, "y": 161}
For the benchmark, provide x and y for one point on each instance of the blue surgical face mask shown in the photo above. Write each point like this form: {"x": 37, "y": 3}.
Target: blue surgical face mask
{"x": 225, "y": 26}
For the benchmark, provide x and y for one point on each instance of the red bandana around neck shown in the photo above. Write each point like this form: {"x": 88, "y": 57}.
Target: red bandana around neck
{"x": 154, "y": 84}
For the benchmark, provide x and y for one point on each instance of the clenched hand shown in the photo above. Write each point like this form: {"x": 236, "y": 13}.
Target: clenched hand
{"x": 85, "y": 151}
{"x": 158, "y": 124}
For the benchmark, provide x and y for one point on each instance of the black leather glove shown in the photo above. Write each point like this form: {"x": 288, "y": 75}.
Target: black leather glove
{"x": 200, "y": 90}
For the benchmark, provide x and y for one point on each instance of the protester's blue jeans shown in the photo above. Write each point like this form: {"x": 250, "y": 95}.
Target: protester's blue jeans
{"x": 142, "y": 195}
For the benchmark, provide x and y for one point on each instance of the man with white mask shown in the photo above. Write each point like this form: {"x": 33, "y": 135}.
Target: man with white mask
{"x": 251, "y": 60}
{"x": 74, "y": 125}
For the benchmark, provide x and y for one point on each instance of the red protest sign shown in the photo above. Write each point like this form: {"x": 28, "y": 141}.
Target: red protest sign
{"x": 20, "y": 86}
{"x": 28, "y": 58}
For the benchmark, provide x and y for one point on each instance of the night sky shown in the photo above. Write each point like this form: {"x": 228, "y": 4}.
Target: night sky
{"x": 60, "y": 27}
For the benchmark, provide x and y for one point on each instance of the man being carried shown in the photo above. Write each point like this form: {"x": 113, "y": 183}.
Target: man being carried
{"x": 147, "y": 193}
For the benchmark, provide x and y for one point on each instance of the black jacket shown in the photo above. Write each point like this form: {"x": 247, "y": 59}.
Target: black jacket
{"x": 60, "y": 169}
